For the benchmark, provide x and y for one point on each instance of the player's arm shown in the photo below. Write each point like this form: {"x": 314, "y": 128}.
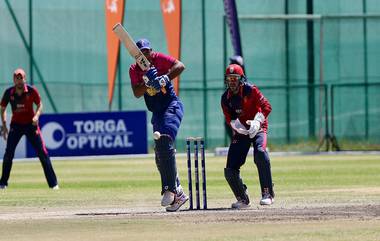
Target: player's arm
{"x": 38, "y": 102}
{"x": 139, "y": 89}
{"x": 37, "y": 114}
{"x": 3, "y": 106}
{"x": 264, "y": 108}
{"x": 177, "y": 68}
{"x": 4, "y": 128}
{"x": 263, "y": 102}
{"x": 226, "y": 113}
{"x": 138, "y": 86}
{"x": 3, "y": 116}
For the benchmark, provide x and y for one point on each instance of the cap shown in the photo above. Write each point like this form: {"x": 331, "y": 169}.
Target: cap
{"x": 19, "y": 71}
{"x": 237, "y": 59}
{"x": 143, "y": 44}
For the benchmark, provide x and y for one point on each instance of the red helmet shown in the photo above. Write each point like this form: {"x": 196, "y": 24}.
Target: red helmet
{"x": 234, "y": 69}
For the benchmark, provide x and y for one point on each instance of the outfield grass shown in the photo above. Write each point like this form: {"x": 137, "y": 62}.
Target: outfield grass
{"x": 119, "y": 200}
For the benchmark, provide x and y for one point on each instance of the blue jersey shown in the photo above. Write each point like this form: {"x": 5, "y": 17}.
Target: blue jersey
{"x": 159, "y": 102}
{"x": 156, "y": 102}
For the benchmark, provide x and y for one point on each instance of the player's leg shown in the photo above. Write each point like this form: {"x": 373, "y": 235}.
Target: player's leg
{"x": 166, "y": 164}
{"x": 33, "y": 135}
{"x": 262, "y": 162}
{"x": 167, "y": 124}
{"x": 163, "y": 179}
{"x": 237, "y": 153}
{"x": 14, "y": 136}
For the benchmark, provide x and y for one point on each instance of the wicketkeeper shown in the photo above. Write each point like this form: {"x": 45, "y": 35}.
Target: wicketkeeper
{"x": 235, "y": 59}
{"x": 167, "y": 115}
{"x": 246, "y": 110}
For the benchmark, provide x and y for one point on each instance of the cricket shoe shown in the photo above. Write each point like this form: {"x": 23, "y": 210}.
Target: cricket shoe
{"x": 241, "y": 204}
{"x": 167, "y": 198}
{"x": 3, "y": 186}
{"x": 56, "y": 187}
{"x": 266, "y": 199}
{"x": 178, "y": 202}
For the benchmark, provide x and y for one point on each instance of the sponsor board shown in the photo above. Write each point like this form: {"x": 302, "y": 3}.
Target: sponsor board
{"x": 100, "y": 133}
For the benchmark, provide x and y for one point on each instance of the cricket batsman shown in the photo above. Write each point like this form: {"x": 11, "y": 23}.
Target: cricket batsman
{"x": 246, "y": 110}
{"x": 167, "y": 110}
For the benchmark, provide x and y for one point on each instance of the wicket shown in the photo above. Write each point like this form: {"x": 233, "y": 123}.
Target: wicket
{"x": 195, "y": 141}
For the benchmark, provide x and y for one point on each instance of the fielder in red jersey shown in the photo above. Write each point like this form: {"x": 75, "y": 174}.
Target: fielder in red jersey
{"x": 246, "y": 110}
{"x": 24, "y": 121}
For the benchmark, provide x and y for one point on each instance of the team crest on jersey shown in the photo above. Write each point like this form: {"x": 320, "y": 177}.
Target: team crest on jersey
{"x": 238, "y": 111}
{"x": 151, "y": 91}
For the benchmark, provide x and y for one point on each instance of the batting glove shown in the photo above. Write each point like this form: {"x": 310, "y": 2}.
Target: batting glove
{"x": 239, "y": 127}
{"x": 163, "y": 80}
{"x": 155, "y": 83}
{"x": 255, "y": 124}
{"x": 151, "y": 74}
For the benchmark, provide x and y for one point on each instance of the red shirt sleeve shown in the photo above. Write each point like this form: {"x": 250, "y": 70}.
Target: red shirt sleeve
{"x": 36, "y": 96}
{"x": 263, "y": 104}
{"x": 5, "y": 99}
{"x": 226, "y": 113}
{"x": 135, "y": 75}
{"x": 162, "y": 62}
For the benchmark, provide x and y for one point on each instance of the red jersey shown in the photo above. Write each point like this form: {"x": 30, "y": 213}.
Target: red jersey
{"x": 155, "y": 101}
{"x": 161, "y": 61}
{"x": 22, "y": 105}
{"x": 245, "y": 104}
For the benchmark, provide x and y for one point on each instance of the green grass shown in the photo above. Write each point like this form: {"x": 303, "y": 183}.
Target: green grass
{"x": 94, "y": 185}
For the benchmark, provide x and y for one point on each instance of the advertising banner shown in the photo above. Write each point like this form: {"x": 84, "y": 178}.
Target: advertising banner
{"x": 100, "y": 133}
{"x": 114, "y": 12}
{"x": 171, "y": 13}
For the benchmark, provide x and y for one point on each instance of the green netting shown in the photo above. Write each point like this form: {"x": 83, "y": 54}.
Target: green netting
{"x": 356, "y": 115}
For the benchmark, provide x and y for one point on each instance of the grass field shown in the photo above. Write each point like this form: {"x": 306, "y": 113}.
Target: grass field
{"x": 318, "y": 198}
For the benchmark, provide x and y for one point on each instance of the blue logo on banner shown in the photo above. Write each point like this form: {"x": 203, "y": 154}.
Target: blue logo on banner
{"x": 103, "y": 133}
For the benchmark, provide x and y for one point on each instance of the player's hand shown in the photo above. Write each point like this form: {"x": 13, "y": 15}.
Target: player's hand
{"x": 159, "y": 82}
{"x": 4, "y": 132}
{"x": 155, "y": 83}
{"x": 35, "y": 121}
{"x": 255, "y": 124}
{"x": 239, "y": 127}
{"x": 254, "y": 127}
{"x": 163, "y": 80}
{"x": 151, "y": 74}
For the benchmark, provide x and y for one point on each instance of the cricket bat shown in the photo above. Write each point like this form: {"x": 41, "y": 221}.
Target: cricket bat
{"x": 133, "y": 50}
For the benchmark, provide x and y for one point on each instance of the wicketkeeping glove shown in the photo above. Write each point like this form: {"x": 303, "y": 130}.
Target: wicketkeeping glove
{"x": 239, "y": 127}
{"x": 255, "y": 124}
